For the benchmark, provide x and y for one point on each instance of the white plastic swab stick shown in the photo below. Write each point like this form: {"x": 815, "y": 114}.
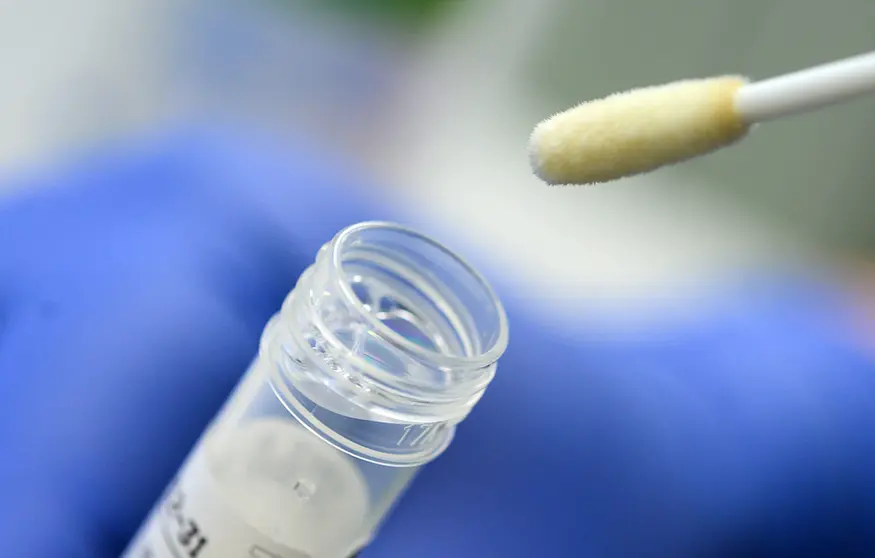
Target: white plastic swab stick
{"x": 807, "y": 89}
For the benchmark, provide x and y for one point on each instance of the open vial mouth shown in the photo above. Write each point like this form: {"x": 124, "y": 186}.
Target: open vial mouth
{"x": 418, "y": 297}
{"x": 386, "y": 343}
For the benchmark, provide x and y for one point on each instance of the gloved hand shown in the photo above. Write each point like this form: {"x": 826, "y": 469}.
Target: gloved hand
{"x": 134, "y": 287}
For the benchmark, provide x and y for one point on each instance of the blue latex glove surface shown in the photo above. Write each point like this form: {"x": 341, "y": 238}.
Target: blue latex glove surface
{"x": 133, "y": 290}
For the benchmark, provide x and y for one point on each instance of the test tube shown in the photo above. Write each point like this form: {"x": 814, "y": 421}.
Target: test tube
{"x": 385, "y": 344}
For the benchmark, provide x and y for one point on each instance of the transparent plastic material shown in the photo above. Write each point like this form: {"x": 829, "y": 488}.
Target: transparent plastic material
{"x": 384, "y": 346}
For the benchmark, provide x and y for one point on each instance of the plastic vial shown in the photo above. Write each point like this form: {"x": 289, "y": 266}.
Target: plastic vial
{"x": 385, "y": 344}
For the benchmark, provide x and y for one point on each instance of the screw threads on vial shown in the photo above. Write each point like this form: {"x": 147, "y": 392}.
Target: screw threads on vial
{"x": 386, "y": 343}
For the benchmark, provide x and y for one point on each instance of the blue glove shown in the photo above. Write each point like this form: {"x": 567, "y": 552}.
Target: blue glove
{"x": 133, "y": 290}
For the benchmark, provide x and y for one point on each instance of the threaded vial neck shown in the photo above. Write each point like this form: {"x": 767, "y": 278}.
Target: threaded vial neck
{"x": 386, "y": 343}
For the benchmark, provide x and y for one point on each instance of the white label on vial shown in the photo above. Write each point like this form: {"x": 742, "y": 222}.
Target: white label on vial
{"x": 193, "y": 521}
{"x": 267, "y": 489}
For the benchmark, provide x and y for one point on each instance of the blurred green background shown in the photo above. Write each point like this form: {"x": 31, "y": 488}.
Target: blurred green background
{"x": 411, "y": 13}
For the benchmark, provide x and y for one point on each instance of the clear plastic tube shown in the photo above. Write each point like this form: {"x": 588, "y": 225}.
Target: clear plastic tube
{"x": 385, "y": 345}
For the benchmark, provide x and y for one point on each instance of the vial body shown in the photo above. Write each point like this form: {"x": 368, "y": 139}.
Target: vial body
{"x": 382, "y": 348}
{"x": 260, "y": 484}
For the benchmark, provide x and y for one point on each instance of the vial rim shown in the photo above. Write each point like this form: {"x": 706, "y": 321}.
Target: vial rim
{"x": 485, "y": 358}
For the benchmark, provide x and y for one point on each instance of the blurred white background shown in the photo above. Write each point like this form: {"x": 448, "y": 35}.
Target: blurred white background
{"x": 440, "y": 108}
